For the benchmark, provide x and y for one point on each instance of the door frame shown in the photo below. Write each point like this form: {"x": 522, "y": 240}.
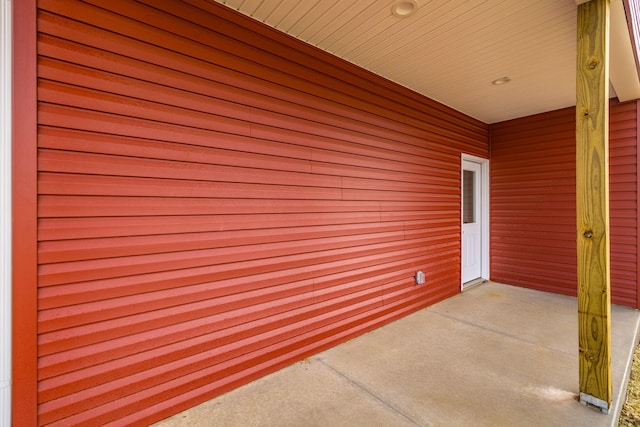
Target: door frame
{"x": 484, "y": 211}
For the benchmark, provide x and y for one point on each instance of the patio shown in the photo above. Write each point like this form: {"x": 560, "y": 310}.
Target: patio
{"x": 495, "y": 355}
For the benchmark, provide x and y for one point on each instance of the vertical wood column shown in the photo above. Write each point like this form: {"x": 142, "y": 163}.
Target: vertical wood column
{"x": 592, "y": 198}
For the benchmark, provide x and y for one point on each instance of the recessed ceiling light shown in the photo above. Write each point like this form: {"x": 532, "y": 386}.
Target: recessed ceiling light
{"x": 402, "y": 9}
{"x": 501, "y": 81}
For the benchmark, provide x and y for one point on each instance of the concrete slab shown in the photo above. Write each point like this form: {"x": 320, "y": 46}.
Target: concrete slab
{"x": 494, "y": 355}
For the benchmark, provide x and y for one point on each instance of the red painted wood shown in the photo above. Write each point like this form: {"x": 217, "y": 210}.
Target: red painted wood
{"x": 533, "y": 202}
{"x": 210, "y": 211}
{"x": 268, "y": 66}
{"x": 24, "y": 217}
{"x": 623, "y": 201}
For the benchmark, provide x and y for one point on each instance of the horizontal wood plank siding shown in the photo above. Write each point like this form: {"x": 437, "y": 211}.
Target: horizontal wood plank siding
{"x": 217, "y": 200}
{"x": 533, "y": 202}
{"x": 623, "y": 145}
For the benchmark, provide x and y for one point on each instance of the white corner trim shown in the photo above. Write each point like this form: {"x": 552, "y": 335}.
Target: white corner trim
{"x": 5, "y": 212}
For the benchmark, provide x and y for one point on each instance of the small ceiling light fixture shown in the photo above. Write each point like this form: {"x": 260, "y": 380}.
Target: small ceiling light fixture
{"x": 405, "y": 8}
{"x": 501, "y": 81}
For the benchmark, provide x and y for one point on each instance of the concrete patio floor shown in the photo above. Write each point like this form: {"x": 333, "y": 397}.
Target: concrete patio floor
{"x": 494, "y": 355}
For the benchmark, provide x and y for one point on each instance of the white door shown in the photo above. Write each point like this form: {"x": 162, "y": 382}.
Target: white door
{"x": 471, "y": 221}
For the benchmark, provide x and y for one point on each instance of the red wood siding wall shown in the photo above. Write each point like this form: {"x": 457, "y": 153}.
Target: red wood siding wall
{"x": 217, "y": 200}
{"x": 623, "y": 164}
{"x": 533, "y": 202}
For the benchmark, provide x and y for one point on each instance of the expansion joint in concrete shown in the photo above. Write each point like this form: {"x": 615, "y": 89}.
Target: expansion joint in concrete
{"x": 364, "y": 389}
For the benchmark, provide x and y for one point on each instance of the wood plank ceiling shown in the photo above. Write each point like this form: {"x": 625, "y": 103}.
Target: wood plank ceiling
{"x": 450, "y": 51}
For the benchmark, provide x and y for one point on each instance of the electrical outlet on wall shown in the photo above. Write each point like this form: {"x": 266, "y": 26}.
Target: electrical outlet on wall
{"x": 419, "y": 278}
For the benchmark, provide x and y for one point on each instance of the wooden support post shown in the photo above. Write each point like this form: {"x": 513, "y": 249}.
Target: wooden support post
{"x": 592, "y": 204}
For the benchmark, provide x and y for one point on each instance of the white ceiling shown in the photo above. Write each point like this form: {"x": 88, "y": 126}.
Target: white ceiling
{"x": 451, "y": 50}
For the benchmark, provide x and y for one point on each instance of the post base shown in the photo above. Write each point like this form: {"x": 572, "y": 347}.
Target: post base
{"x": 594, "y": 402}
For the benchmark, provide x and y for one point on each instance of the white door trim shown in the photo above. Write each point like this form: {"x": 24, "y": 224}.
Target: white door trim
{"x": 5, "y": 212}
{"x": 484, "y": 195}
